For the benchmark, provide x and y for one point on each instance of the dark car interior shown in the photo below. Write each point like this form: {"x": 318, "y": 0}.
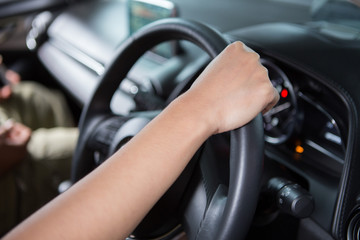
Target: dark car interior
{"x": 292, "y": 173}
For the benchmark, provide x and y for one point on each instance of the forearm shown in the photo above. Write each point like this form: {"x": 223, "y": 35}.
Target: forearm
{"x": 125, "y": 195}
{"x": 159, "y": 154}
{"x": 113, "y": 199}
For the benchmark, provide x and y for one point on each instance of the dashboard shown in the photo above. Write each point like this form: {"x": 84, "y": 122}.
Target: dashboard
{"x": 311, "y": 135}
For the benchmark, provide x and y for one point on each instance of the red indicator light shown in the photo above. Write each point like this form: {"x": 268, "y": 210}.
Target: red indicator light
{"x": 284, "y": 93}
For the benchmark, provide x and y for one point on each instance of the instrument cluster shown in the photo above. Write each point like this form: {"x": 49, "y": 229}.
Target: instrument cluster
{"x": 304, "y": 124}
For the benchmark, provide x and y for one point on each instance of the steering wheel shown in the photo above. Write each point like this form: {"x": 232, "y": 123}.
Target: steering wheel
{"x": 206, "y": 204}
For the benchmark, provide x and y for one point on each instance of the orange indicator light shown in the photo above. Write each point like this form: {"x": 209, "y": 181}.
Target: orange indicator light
{"x": 299, "y": 149}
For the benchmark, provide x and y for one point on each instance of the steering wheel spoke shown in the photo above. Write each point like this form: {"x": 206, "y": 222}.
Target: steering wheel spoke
{"x": 102, "y": 137}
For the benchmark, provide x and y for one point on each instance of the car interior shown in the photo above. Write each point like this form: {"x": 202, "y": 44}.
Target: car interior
{"x": 292, "y": 173}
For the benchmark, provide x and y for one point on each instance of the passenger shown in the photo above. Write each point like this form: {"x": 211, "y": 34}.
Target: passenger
{"x": 112, "y": 200}
{"x": 37, "y": 139}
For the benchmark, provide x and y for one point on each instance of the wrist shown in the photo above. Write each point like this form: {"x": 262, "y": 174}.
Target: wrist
{"x": 196, "y": 115}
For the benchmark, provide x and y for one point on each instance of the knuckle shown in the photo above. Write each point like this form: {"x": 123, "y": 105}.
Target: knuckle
{"x": 255, "y": 55}
{"x": 237, "y": 44}
{"x": 262, "y": 74}
{"x": 267, "y": 91}
{"x": 253, "y": 58}
{"x": 235, "y": 47}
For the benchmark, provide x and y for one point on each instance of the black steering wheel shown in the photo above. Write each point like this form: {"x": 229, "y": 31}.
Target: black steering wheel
{"x": 202, "y": 201}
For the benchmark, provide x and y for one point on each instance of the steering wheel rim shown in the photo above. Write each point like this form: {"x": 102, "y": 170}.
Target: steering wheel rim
{"x": 245, "y": 165}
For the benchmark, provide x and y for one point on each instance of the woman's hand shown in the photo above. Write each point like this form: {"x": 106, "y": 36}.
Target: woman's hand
{"x": 232, "y": 90}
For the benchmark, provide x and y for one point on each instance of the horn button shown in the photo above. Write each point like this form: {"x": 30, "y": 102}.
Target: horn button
{"x": 113, "y": 133}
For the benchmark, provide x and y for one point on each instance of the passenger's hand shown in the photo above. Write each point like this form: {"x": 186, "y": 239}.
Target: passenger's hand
{"x": 233, "y": 89}
{"x": 14, "y": 138}
{"x": 12, "y": 77}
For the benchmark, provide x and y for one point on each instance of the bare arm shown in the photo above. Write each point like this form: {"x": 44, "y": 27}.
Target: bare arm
{"x": 112, "y": 200}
